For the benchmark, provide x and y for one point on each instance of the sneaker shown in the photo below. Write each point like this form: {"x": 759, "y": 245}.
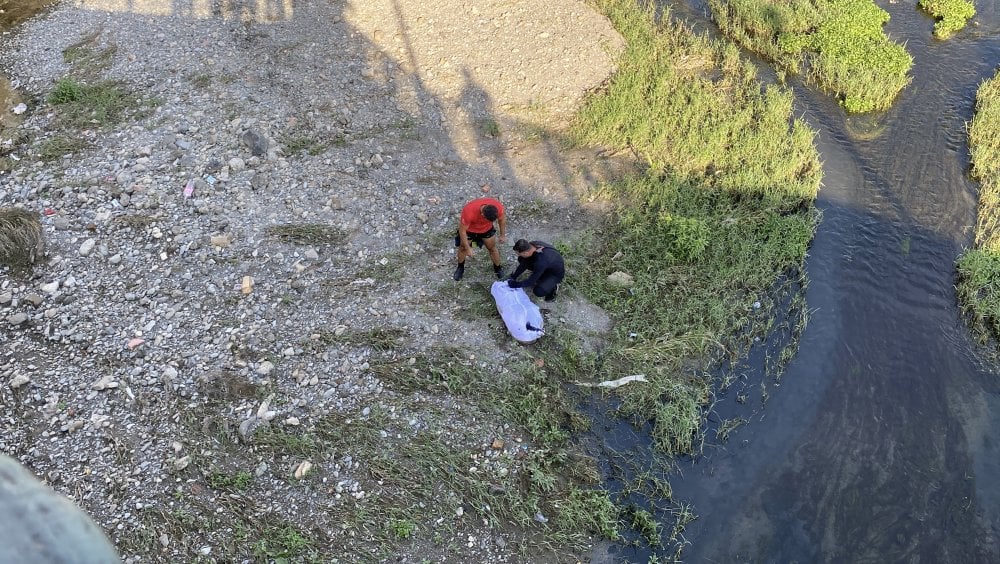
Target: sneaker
{"x": 459, "y": 272}
{"x": 551, "y": 296}
{"x": 498, "y": 269}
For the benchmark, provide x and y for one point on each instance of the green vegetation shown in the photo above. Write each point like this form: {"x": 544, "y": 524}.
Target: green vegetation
{"x": 84, "y": 105}
{"x": 57, "y": 147}
{"x": 309, "y": 143}
{"x": 979, "y": 268}
{"x": 840, "y": 42}
{"x": 951, "y": 15}
{"x": 723, "y": 211}
{"x": 240, "y": 481}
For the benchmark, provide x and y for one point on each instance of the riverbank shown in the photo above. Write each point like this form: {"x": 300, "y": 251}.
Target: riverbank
{"x": 276, "y": 364}
{"x": 979, "y": 267}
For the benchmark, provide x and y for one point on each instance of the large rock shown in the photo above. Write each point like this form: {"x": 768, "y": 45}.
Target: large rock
{"x": 40, "y": 526}
{"x": 256, "y": 141}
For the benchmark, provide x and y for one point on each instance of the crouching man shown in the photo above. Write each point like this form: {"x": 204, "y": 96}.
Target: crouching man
{"x": 546, "y": 266}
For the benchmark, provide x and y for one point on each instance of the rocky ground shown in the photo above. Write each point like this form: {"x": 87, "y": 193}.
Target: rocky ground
{"x": 245, "y": 277}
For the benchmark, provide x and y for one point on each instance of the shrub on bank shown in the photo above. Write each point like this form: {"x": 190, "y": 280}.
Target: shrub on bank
{"x": 951, "y": 15}
{"x": 840, "y": 43}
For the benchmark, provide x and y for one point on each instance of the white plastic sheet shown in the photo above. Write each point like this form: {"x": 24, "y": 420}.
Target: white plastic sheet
{"x": 521, "y": 316}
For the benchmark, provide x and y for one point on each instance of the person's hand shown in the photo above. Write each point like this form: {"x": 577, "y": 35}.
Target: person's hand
{"x": 503, "y": 238}
{"x": 467, "y": 249}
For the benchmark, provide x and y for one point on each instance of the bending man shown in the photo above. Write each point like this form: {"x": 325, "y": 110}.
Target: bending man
{"x": 476, "y": 226}
{"x": 546, "y": 266}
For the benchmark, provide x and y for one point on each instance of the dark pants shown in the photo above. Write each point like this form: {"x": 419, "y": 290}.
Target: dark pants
{"x": 546, "y": 284}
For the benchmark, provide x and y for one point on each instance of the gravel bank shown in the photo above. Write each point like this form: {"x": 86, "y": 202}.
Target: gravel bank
{"x": 326, "y": 148}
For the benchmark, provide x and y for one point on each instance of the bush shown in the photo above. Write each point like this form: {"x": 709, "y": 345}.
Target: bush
{"x": 951, "y": 15}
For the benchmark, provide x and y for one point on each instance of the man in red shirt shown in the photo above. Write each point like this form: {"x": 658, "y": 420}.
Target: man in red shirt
{"x": 476, "y": 226}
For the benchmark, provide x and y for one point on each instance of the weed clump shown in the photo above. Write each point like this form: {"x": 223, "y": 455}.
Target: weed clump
{"x": 85, "y": 105}
{"x": 22, "y": 240}
{"x": 951, "y": 15}
{"x": 308, "y": 234}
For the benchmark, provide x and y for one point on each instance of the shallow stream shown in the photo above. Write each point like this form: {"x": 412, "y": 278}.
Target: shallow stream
{"x": 878, "y": 443}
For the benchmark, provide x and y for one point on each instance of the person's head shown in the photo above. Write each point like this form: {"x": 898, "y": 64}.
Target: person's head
{"x": 523, "y": 248}
{"x": 490, "y": 212}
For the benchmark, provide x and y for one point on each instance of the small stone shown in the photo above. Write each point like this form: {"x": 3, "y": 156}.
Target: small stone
{"x": 541, "y": 518}
{"x": 182, "y": 462}
{"x": 106, "y": 382}
{"x": 164, "y": 540}
{"x": 20, "y": 109}
{"x": 18, "y": 381}
{"x": 222, "y": 241}
{"x": 303, "y": 469}
{"x": 619, "y": 278}
{"x": 17, "y": 318}
{"x": 459, "y": 511}
{"x": 247, "y": 427}
{"x": 87, "y": 247}
{"x": 33, "y": 299}
{"x": 246, "y": 285}
{"x": 50, "y": 288}
{"x": 293, "y": 421}
{"x": 6, "y": 297}
{"x": 497, "y": 444}
{"x": 115, "y": 259}
{"x": 237, "y": 164}
{"x": 311, "y": 254}
{"x": 265, "y": 368}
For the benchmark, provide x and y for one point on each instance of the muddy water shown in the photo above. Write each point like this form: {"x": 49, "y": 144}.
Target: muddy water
{"x": 880, "y": 443}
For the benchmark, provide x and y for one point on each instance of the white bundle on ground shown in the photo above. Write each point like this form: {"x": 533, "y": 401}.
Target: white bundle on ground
{"x": 519, "y": 313}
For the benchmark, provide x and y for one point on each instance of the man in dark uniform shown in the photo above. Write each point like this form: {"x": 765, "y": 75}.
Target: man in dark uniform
{"x": 546, "y": 266}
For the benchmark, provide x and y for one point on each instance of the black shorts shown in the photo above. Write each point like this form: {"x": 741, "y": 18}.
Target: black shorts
{"x": 475, "y": 238}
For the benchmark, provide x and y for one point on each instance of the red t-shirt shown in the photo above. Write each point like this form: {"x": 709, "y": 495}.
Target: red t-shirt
{"x": 472, "y": 216}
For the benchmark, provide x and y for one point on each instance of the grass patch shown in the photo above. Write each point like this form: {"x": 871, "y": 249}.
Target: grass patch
{"x": 694, "y": 107}
{"x": 307, "y": 143}
{"x": 200, "y": 80}
{"x": 100, "y": 104}
{"x": 308, "y": 234}
{"x": 724, "y": 210}
{"x": 281, "y": 542}
{"x": 979, "y": 267}
{"x": 488, "y": 127}
{"x": 951, "y": 15}
{"x": 840, "y": 42}
{"x": 57, "y": 147}
{"x": 87, "y": 56}
{"x": 241, "y": 481}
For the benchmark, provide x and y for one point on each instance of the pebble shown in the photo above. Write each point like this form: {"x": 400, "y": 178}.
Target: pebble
{"x": 87, "y": 247}
{"x": 17, "y": 318}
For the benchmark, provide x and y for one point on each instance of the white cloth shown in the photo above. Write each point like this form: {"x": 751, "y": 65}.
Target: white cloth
{"x": 521, "y": 316}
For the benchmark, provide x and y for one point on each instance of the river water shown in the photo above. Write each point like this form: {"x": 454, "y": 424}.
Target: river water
{"x": 878, "y": 444}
